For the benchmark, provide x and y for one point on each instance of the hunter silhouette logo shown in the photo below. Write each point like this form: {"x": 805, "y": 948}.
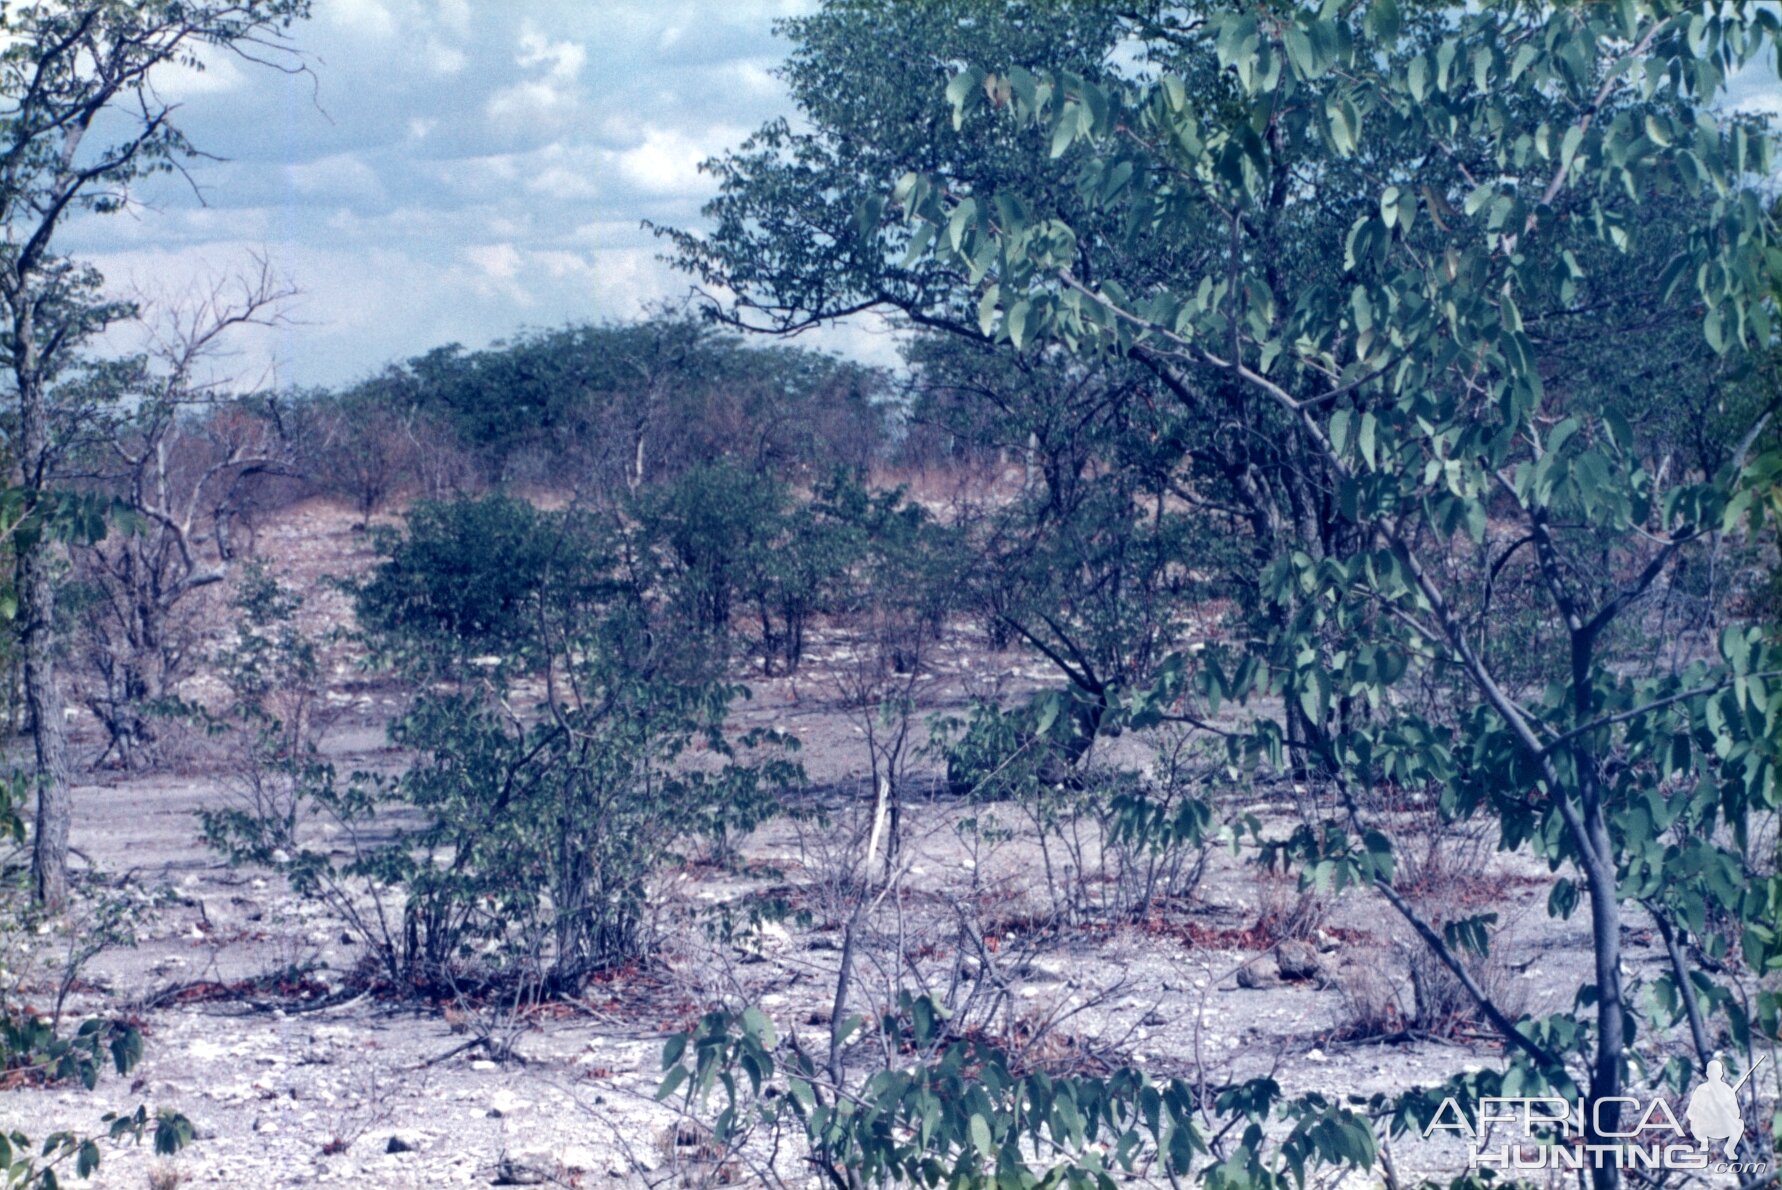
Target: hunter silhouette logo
{"x": 1713, "y": 1111}
{"x": 1618, "y": 1131}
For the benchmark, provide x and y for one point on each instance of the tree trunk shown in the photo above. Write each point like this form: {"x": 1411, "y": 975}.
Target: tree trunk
{"x": 1605, "y": 929}
{"x": 1598, "y": 851}
{"x": 37, "y": 613}
{"x": 43, "y": 706}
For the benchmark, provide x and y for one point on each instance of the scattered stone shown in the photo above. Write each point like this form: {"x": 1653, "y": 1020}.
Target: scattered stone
{"x": 505, "y": 1103}
{"x": 1259, "y": 973}
{"x": 512, "y": 1173}
{"x": 1297, "y": 960}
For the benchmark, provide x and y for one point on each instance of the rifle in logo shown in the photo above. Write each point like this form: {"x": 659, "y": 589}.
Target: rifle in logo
{"x": 1713, "y": 1111}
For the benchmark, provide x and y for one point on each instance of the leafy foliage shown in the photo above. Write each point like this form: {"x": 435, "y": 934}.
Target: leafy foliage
{"x": 620, "y": 406}
{"x": 964, "y": 1115}
{"x": 538, "y": 834}
{"x": 1435, "y": 292}
{"x": 1416, "y": 391}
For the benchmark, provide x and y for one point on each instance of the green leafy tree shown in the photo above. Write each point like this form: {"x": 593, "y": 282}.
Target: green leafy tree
{"x": 800, "y": 233}
{"x": 1464, "y": 166}
{"x": 609, "y": 408}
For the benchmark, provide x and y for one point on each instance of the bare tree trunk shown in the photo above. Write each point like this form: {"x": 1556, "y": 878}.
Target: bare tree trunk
{"x": 1605, "y": 930}
{"x": 43, "y": 704}
{"x": 37, "y": 607}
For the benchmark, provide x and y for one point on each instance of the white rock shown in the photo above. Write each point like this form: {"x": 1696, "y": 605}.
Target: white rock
{"x": 579, "y": 1157}
{"x": 506, "y": 1102}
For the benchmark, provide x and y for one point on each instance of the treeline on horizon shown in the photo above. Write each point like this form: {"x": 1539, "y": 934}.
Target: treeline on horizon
{"x": 612, "y": 407}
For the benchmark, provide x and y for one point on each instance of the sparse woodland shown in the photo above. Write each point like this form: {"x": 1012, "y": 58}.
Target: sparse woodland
{"x": 1297, "y": 641}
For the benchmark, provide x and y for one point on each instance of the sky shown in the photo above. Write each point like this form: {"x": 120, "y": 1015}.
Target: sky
{"x": 459, "y": 170}
{"x": 452, "y": 171}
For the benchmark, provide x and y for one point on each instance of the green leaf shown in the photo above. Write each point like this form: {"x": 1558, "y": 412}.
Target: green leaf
{"x": 1016, "y": 324}
{"x": 980, "y": 1136}
{"x": 758, "y": 1027}
{"x": 1383, "y": 20}
{"x": 671, "y": 1082}
{"x": 1299, "y": 52}
{"x": 962, "y": 217}
{"x": 1064, "y": 132}
{"x": 1345, "y": 123}
{"x": 1568, "y": 148}
{"x": 965, "y": 89}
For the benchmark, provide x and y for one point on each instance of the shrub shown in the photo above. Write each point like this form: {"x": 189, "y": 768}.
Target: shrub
{"x": 713, "y": 531}
{"x": 468, "y": 578}
{"x": 1128, "y": 840}
{"x": 538, "y": 830}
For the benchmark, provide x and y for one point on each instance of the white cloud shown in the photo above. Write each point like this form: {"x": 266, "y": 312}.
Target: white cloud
{"x": 563, "y": 59}
{"x": 500, "y": 262}
{"x": 341, "y": 176}
{"x": 474, "y": 168}
{"x": 444, "y": 59}
{"x": 455, "y": 16}
{"x": 544, "y": 99}
{"x": 362, "y": 18}
{"x": 563, "y": 183}
{"x": 667, "y": 161}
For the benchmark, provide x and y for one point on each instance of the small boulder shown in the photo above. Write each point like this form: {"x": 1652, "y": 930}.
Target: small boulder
{"x": 1297, "y": 960}
{"x": 398, "y": 1143}
{"x": 1259, "y": 973}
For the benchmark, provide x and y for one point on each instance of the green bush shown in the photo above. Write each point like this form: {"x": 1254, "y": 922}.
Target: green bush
{"x": 541, "y": 821}
{"x": 462, "y": 578}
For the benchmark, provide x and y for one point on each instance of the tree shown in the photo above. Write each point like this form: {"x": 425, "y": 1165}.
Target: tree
{"x": 1485, "y": 175}
{"x": 176, "y": 450}
{"x": 800, "y": 234}
{"x": 1449, "y": 301}
{"x": 611, "y": 408}
{"x": 80, "y": 121}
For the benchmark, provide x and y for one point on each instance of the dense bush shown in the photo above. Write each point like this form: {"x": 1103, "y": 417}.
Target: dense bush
{"x": 541, "y": 822}
{"x": 471, "y": 577}
{"x": 713, "y": 532}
